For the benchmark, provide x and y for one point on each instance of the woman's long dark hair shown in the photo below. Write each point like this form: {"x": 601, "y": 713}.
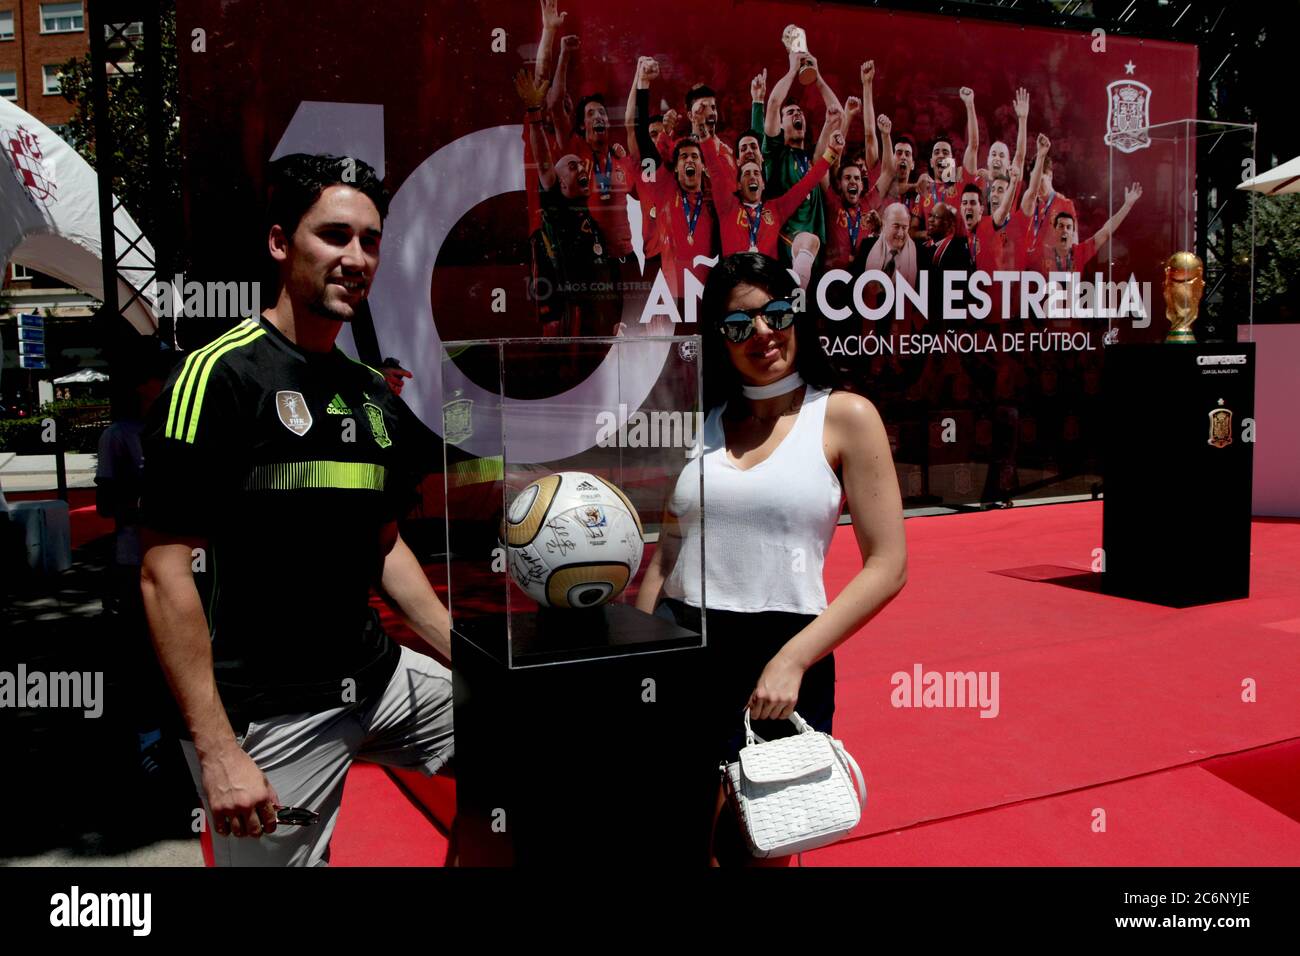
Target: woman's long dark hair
{"x": 721, "y": 380}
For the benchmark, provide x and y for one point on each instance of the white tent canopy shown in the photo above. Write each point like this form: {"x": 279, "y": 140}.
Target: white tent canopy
{"x": 1278, "y": 180}
{"x": 49, "y": 217}
{"x": 85, "y": 376}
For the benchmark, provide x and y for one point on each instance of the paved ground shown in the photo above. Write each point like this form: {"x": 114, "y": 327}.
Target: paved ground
{"x": 75, "y": 784}
{"x": 37, "y": 472}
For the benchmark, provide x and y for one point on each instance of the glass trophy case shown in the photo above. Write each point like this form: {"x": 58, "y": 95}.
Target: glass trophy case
{"x": 1189, "y": 171}
{"x": 564, "y": 460}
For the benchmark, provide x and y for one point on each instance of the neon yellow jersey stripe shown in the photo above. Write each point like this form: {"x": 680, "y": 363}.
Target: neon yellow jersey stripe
{"x": 185, "y": 381}
{"x": 197, "y": 408}
{"x": 348, "y": 475}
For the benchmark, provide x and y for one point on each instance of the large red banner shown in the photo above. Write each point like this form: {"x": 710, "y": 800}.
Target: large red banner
{"x": 428, "y": 92}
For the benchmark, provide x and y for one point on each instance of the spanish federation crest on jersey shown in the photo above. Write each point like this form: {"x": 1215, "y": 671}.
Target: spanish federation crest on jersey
{"x": 1128, "y": 114}
{"x": 375, "y": 416}
{"x": 1221, "y": 427}
{"x": 293, "y": 411}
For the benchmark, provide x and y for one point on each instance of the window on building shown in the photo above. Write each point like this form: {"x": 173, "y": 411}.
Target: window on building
{"x": 6, "y": 24}
{"x": 53, "y": 75}
{"x": 9, "y": 85}
{"x": 19, "y": 273}
{"x": 62, "y": 17}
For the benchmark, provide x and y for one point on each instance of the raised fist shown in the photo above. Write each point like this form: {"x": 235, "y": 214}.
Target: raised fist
{"x": 837, "y": 143}
{"x": 647, "y": 69}
{"x": 868, "y": 71}
{"x": 1021, "y": 103}
{"x": 967, "y": 95}
{"x": 671, "y": 118}
{"x": 884, "y": 123}
{"x": 1044, "y": 144}
{"x": 758, "y": 87}
{"x": 853, "y": 105}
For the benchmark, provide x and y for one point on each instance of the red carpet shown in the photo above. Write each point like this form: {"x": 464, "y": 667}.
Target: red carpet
{"x": 1092, "y": 688}
{"x": 1183, "y": 817}
{"x": 1103, "y": 703}
{"x": 379, "y": 826}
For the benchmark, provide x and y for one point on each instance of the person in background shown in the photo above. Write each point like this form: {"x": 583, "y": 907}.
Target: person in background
{"x": 119, "y": 482}
{"x": 394, "y": 374}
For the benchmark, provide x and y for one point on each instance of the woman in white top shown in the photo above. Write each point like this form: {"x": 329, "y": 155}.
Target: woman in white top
{"x": 782, "y": 450}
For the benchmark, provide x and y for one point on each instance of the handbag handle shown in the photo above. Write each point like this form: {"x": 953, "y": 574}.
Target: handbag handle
{"x": 804, "y": 728}
{"x": 751, "y": 738}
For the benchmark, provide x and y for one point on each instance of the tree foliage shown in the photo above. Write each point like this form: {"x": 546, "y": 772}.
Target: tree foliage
{"x": 152, "y": 197}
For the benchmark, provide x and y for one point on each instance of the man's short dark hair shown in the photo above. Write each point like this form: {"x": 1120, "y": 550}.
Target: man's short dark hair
{"x": 972, "y": 188}
{"x": 684, "y": 143}
{"x": 941, "y": 138}
{"x": 849, "y": 164}
{"x": 297, "y": 181}
{"x": 904, "y": 138}
{"x": 580, "y": 111}
{"x": 698, "y": 92}
{"x": 749, "y": 132}
{"x": 657, "y": 118}
{"x": 1063, "y": 214}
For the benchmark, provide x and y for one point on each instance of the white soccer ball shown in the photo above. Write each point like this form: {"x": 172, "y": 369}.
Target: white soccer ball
{"x": 573, "y": 540}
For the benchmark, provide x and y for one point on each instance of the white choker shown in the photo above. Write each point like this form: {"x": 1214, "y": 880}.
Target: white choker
{"x": 779, "y": 387}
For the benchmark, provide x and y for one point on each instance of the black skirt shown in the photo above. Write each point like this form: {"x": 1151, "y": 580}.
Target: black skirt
{"x": 740, "y": 647}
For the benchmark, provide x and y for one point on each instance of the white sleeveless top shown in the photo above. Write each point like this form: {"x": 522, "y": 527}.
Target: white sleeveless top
{"x": 767, "y": 528}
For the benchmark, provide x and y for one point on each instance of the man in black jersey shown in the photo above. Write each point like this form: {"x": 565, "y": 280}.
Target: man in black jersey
{"x": 276, "y": 470}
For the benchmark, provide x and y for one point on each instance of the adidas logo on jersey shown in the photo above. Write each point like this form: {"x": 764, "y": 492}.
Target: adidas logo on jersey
{"x": 338, "y": 407}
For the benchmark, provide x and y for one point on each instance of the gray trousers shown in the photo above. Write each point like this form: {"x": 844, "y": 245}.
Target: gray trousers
{"x": 306, "y": 758}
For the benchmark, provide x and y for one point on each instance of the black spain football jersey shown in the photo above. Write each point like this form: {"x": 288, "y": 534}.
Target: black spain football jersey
{"x": 288, "y": 463}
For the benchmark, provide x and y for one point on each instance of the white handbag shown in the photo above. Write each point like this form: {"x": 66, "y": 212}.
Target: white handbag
{"x": 794, "y": 793}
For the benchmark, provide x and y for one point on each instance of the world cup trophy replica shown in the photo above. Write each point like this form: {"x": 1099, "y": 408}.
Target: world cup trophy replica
{"x": 1184, "y": 283}
{"x": 796, "y": 41}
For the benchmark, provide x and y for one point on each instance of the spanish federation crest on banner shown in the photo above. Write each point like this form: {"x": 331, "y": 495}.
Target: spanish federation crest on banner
{"x": 457, "y": 420}
{"x": 1128, "y": 114}
{"x": 1221, "y": 427}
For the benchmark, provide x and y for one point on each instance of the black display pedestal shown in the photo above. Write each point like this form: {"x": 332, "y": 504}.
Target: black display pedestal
{"x": 1176, "y": 526}
{"x": 601, "y": 755}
